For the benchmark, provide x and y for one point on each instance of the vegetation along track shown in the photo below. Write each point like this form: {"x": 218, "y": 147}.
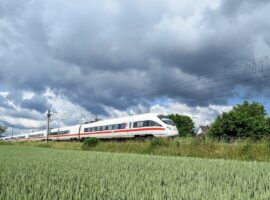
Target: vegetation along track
{"x": 42, "y": 173}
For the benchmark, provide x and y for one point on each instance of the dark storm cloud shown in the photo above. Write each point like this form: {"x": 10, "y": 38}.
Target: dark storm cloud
{"x": 37, "y": 103}
{"x": 125, "y": 53}
{"x": 3, "y": 102}
{"x": 234, "y": 8}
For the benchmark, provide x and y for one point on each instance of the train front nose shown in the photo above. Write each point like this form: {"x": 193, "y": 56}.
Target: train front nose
{"x": 173, "y": 132}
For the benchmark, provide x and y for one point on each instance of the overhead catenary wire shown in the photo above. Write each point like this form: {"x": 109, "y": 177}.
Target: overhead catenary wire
{"x": 235, "y": 79}
{"x": 190, "y": 83}
{"x": 206, "y": 98}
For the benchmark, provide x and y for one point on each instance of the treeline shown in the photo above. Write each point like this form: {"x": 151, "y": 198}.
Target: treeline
{"x": 246, "y": 120}
{"x": 2, "y": 129}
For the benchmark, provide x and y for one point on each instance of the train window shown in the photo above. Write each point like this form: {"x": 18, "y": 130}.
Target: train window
{"x": 157, "y": 124}
{"x": 116, "y": 126}
{"x": 98, "y": 128}
{"x": 110, "y": 127}
{"x": 138, "y": 124}
{"x": 64, "y": 132}
{"x": 103, "y": 128}
{"x": 122, "y": 126}
{"x": 37, "y": 135}
{"x": 145, "y": 124}
{"x": 166, "y": 120}
{"x": 152, "y": 123}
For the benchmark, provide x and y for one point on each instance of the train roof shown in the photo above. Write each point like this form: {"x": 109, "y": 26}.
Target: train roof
{"x": 122, "y": 119}
{"x": 37, "y": 132}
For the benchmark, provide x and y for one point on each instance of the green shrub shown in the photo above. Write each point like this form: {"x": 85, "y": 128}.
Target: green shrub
{"x": 90, "y": 143}
{"x": 177, "y": 143}
{"x": 6, "y": 143}
{"x": 184, "y": 124}
{"x": 243, "y": 121}
{"x": 267, "y": 142}
{"x": 159, "y": 142}
{"x": 47, "y": 145}
{"x": 246, "y": 148}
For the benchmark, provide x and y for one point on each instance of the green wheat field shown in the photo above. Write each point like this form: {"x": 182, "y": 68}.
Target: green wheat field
{"x": 44, "y": 173}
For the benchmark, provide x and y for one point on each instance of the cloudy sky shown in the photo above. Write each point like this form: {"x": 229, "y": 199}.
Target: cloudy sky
{"x": 119, "y": 57}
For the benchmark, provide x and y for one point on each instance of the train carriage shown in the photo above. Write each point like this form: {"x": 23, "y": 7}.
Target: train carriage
{"x": 37, "y": 135}
{"x": 145, "y": 125}
{"x": 65, "y": 133}
{"x": 21, "y": 137}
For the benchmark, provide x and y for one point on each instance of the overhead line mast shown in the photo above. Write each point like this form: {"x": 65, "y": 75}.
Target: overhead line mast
{"x": 48, "y": 124}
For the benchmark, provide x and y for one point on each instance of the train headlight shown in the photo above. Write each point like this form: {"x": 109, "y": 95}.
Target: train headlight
{"x": 169, "y": 127}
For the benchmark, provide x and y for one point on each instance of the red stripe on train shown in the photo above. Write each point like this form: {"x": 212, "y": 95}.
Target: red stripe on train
{"x": 102, "y": 132}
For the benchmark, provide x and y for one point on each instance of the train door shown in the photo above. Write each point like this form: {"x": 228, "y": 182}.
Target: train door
{"x": 128, "y": 126}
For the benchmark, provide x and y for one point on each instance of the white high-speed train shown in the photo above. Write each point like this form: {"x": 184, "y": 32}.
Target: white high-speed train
{"x": 144, "y": 125}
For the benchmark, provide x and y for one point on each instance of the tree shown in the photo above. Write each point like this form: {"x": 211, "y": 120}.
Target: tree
{"x": 183, "y": 123}
{"x": 2, "y": 130}
{"x": 244, "y": 120}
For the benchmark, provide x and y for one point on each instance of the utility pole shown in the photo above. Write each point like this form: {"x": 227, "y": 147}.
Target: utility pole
{"x": 12, "y": 133}
{"x": 48, "y": 124}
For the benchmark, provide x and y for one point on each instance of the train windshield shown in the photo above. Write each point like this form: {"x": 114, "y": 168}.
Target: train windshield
{"x": 166, "y": 120}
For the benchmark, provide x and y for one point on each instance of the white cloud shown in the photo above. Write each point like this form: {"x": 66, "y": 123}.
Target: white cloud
{"x": 199, "y": 114}
{"x": 28, "y": 95}
{"x": 17, "y": 121}
{"x": 64, "y": 112}
{"x": 4, "y": 94}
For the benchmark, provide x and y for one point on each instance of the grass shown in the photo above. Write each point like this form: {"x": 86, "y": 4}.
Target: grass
{"x": 187, "y": 147}
{"x": 44, "y": 173}
{"x": 55, "y": 145}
